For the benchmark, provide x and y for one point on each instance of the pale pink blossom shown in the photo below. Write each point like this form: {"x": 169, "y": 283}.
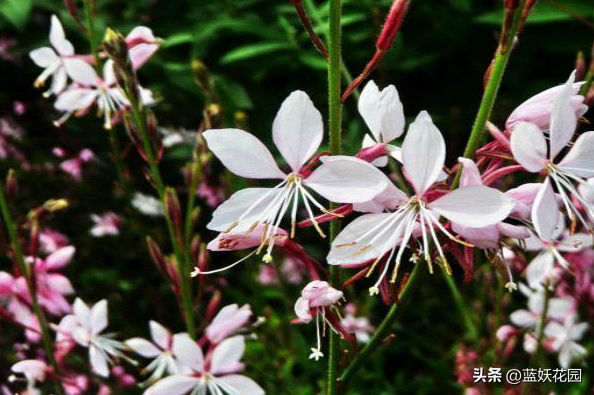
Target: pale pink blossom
{"x": 105, "y": 224}
{"x": 142, "y": 45}
{"x": 228, "y": 322}
{"x": 530, "y": 149}
{"x": 214, "y": 374}
{"x": 360, "y": 326}
{"x": 159, "y": 349}
{"x": 50, "y": 240}
{"x": 565, "y": 337}
{"x": 147, "y": 205}
{"x": 558, "y": 308}
{"x": 371, "y": 236}
{"x": 74, "y": 166}
{"x": 33, "y": 370}
{"x": 297, "y": 133}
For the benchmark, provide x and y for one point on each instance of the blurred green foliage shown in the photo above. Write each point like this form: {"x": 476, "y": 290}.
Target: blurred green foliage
{"x": 257, "y": 53}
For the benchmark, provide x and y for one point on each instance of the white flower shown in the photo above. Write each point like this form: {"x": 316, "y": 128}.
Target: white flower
{"x": 160, "y": 350}
{"x": 147, "y": 204}
{"x": 297, "y": 132}
{"x": 52, "y": 60}
{"x": 219, "y": 377}
{"x": 33, "y": 370}
{"x": 558, "y": 308}
{"x": 565, "y": 337}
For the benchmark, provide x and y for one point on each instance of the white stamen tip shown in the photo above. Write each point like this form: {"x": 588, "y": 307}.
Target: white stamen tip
{"x": 511, "y": 286}
{"x": 267, "y": 258}
{"x": 195, "y": 272}
{"x": 373, "y": 291}
{"x": 316, "y": 354}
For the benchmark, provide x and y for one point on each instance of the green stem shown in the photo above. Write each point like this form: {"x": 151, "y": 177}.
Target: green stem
{"x": 334, "y": 127}
{"x": 195, "y": 170}
{"x": 588, "y": 82}
{"x": 91, "y": 32}
{"x": 117, "y": 158}
{"x": 382, "y": 331}
{"x": 491, "y": 89}
{"x": 139, "y": 117}
{"x": 25, "y": 270}
{"x": 459, "y": 301}
{"x": 540, "y": 335}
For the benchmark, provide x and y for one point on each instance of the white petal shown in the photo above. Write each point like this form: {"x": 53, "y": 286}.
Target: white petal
{"x": 470, "y": 173}
{"x": 545, "y": 212}
{"x": 99, "y": 317}
{"x": 173, "y": 385}
{"x": 523, "y": 319}
{"x": 43, "y": 57}
{"x": 230, "y": 210}
{"x": 161, "y": 336}
{"x": 579, "y": 160}
{"x": 570, "y": 352}
{"x": 58, "y": 38}
{"x": 382, "y": 112}
{"x": 563, "y": 118}
{"x": 529, "y": 146}
{"x": 423, "y": 153}
{"x": 187, "y": 352}
{"x": 227, "y": 354}
{"x": 242, "y": 153}
{"x": 559, "y": 308}
{"x": 242, "y": 385}
{"x": 75, "y": 99}
{"x": 390, "y": 198}
{"x": 108, "y": 73}
{"x": 475, "y": 206}
{"x": 578, "y": 330}
{"x": 81, "y": 72}
{"x": 342, "y": 252}
{"x": 98, "y": 361}
{"x": 575, "y": 242}
{"x": 82, "y": 313}
{"x": 540, "y": 269}
{"x": 347, "y": 179}
{"x": 143, "y": 347}
{"x": 297, "y": 129}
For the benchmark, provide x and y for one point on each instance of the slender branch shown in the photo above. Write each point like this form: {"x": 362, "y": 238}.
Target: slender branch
{"x": 459, "y": 301}
{"x": 91, "y": 32}
{"x": 334, "y": 127}
{"x": 382, "y": 331}
{"x": 498, "y": 67}
{"x": 25, "y": 270}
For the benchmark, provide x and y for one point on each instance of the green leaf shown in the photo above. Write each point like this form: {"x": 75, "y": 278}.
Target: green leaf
{"x": 16, "y": 11}
{"x": 315, "y": 61}
{"x": 177, "y": 39}
{"x": 251, "y": 51}
{"x": 543, "y": 13}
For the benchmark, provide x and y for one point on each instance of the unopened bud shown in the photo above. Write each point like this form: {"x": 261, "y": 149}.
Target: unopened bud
{"x": 201, "y": 76}
{"x": 12, "y": 185}
{"x": 172, "y": 207}
{"x": 580, "y": 66}
{"x": 393, "y": 22}
{"x": 53, "y": 205}
{"x": 241, "y": 120}
{"x": 156, "y": 254}
{"x": 213, "y": 306}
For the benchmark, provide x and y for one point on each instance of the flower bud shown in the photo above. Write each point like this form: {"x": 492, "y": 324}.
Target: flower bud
{"x": 201, "y": 76}
{"x": 155, "y": 253}
{"x": 393, "y": 22}
{"x": 53, "y": 205}
{"x": 580, "y": 66}
{"x": 172, "y": 209}
{"x": 12, "y": 185}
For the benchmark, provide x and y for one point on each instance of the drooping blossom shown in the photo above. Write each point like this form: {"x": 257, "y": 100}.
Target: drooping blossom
{"x": 358, "y": 325}
{"x": 105, "y": 224}
{"x": 142, "y": 45}
{"x": 370, "y": 237}
{"x": 291, "y": 270}
{"x": 147, "y": 205}
{"x": 90, "y": 322}
{"x": 214, "y": 374}
{"x": 74, "y": 166}
{"x": 315, "y": 299}
{"x": 53, "y": 59}
{"x": 160, "y": 350}
{"x": 297, "y": 133}
{"x": 383, "y": 114}
{"x": 50, "y": 240}
{"x": 530, "y": 149}
{"x": 229, "y": 320}
{"x": 34, "y": 371}
{"x": 537, "y": 109}
{"x": 565, "y": 337}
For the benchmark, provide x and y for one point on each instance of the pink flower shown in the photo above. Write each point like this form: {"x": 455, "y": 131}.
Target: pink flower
{"x": 54, "y": 59}
{"x": 160, "y": 350}
{"x": 228, "y": 322}
{"x": 538, "y": 108}
{"x": 360, "y": 326}
{"x": 529, "y": 147}
{"x": 216, "y": 374}
{"x": 370, "y": 237}
{"x": 50, "y": 240}
{"x": 74, "y": 166}
{"x": 33, "y": 370}
{"x": 142, "y": 45}
{"x": 105, "y": 224}
{"x": 297, "y": 133}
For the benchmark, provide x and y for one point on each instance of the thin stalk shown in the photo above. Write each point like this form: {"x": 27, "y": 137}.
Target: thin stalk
{"x": 540, "y": 334}
{"x": 588, "y": 82}
{"x": 91, "y": 32}
{"x": 334, "y": 127}
{"x": 20, "y": 260}
{"x": 380, "y": 334}
{"x": 195, "y": 180}
{"x": 139, "y": 117}
{"x": 459, "y": 301}
{"x": 491, "y": 89}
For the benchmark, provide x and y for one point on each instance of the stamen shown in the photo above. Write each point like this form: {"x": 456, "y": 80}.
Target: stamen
{"x": 197, "y": 270}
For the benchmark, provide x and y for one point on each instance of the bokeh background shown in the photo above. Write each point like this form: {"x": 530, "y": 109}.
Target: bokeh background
{"x": 257, "y": 53}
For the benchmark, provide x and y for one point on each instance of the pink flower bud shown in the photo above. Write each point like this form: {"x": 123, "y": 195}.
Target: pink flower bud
{"x": 393, "y": 22}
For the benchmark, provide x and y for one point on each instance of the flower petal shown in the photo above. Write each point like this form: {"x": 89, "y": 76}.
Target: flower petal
{"x": 59, "y": 258}
{"x": 230, "y": 210}
{"x": 242, "y": 153}
{"x": 58, "y": 38}
{"x": 423, "y": 153}
{"x": 563, "y": 118}
{"x": 81, "y": 72}
{"x": 173, "y": 385}
{"x": 141, "y": 53}
{"x": 99, "y": 317}
{"x": 529, "y": 146}
{"x": 143, "y": 347}
{"x": 475, "y": 206}
{"x": 75, "y": 99}
{"x": 297, "y": 129}
{"x": 241, "y": 385}
{"x": 523, "y": 319}
{"x": 345, "y": 179}
{"x": 82, "y": 313}
{"x": 470, "y": 173}
{"x": 98, "y": 361}
{"x": 43, "y": 57}
{"x": 382, "y": 112}
{"x": 539, "y": 269}
{"x": 227, "y": 354}
{"x": 187, "y": 352}
{"x": 579, "y": 160}
{"x": 160, "y": 335}
{"x": 545, "y": 211}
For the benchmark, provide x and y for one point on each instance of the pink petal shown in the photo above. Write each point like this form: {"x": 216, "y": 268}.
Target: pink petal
{"x": 563, "y": 118}
{"x": 470, "y": 173}
{"x": 59, "y": 258}
{"x": 141, "y": 53}
{"x": 579, "y": 160}
{"x": 187, "y": 352}
{"x": 529, "y": 146}
{"x": 227, "y": 354}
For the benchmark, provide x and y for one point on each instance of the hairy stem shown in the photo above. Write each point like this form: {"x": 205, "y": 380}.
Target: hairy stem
{"x": 334, "y": 127}
{"x": 19, "y": 257}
